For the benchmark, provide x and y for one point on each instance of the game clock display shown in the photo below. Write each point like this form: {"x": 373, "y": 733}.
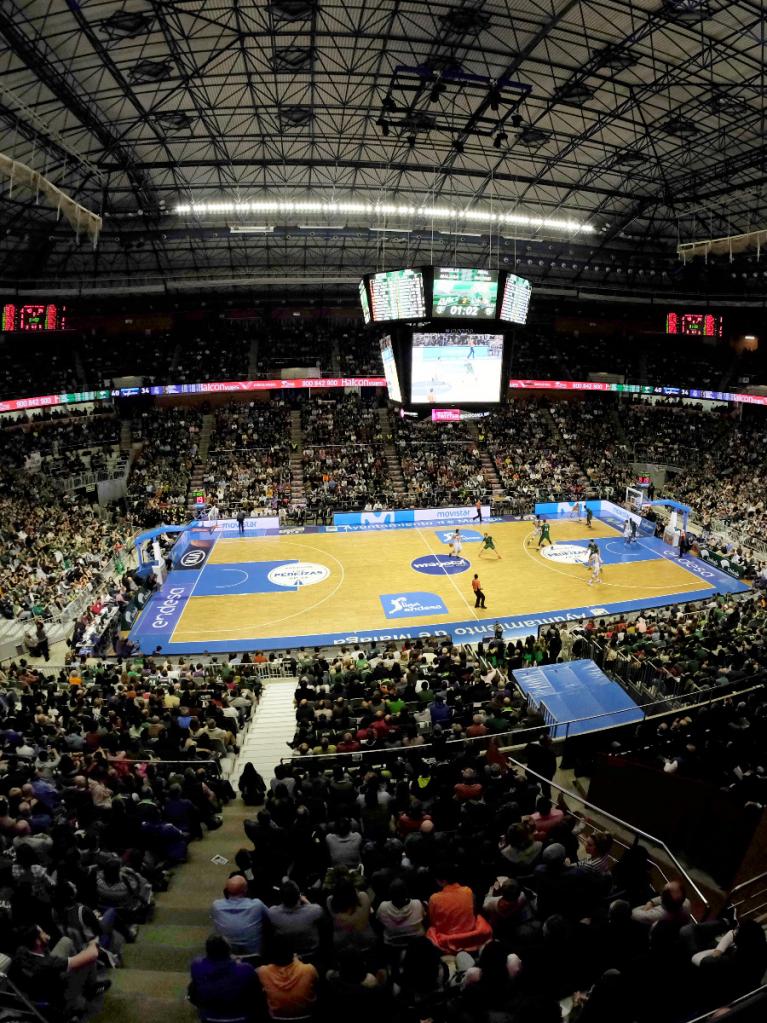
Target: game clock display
{"x": 694, "y": 324}
{"x": 32, "y": 317}
{"x": 444, "y": 293}
{"x": 461, "y": 293}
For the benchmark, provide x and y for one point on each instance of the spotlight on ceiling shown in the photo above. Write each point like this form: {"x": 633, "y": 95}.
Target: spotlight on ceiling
{"x": 500, "y": 140}
{"x": 411, "y": 141}
{"x": 384, "y": 126}
{"x": 517, "y": 120}
{"x": 458, "y": 146}
{"x": 388, "y": 103}
{"x": 494, "y": 97}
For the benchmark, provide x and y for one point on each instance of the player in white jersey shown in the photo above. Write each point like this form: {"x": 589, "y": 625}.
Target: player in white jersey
{"x": 456, "y": 544}
{"x": 595, "y": 564}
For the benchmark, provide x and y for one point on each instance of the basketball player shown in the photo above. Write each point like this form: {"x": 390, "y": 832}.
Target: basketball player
{"x": 589, "y": 517}
{"x": 456, "y": 544}
{"x": 488, "y": 544}
{"x": 627, "y": 531}
{"x": 478, "y": 509}
{"x": 595, "y": 564}
{"x": 545, "y": 533}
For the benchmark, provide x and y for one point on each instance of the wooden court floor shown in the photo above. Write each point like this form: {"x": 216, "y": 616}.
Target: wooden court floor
{"x": 365, "y": 566}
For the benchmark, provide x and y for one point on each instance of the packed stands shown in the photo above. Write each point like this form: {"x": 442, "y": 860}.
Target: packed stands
{"x": 161, "y": 472}
{"x": 533, "y": 462}
{"x": 343, "y": 459}
{"x": 97, "y": 809}
{"x": 441, "y": 463}
{"x": 248, "y": 465}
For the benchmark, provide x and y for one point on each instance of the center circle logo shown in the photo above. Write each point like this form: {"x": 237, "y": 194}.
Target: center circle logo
{"x": 299, "y": 573}
{"x": 566, "y": 553}
{"x": 190, "y": 559}
{"x": 440, "y": 564}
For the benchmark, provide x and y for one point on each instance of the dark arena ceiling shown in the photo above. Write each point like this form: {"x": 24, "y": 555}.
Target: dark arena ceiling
{"x": 642, "y": 121}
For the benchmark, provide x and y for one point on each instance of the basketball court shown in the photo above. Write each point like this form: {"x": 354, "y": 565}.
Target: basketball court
{"x": 329, "y": 586}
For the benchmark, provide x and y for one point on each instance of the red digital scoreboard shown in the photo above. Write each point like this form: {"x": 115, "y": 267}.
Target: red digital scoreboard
{"x": 32, "y": 317}
{"x": 694, "y": 324}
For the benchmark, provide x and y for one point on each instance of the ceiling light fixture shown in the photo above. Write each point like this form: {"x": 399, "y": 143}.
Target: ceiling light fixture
{"x": 359, "y": 208}
{"x": 500, "y": 140}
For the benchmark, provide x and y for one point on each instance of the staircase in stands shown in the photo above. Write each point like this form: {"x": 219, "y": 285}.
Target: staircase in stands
{"x": 489, "y": 470}
{"x": 297, "y": 495}
{"x": 198, "y": 471}
{"x": 393, "y": 467}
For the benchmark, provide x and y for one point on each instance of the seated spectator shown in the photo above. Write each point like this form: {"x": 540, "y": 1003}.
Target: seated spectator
{"x": 545, "y": 817}
{"x": 672, "y": 904}
{"x": 56, "y": 976}
{"x": 239, "y": 919}
{"x": 454, "y": 925}
{"x": 350, "y": 912}
{"x": 297, "y": 920}
{"x": 401, "y": 917}
{"x": 289, "y": 985}
{"x": 344, "y": 845}
{"x": 222, "y": 987}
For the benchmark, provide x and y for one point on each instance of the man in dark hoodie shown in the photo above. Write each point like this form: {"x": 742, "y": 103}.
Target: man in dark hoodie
{"x": 220, "y": 985}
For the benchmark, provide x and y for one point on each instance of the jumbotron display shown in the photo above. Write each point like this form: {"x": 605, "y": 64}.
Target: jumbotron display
{"x": 32, "y": 317}
{"x": 397, "y": 295}
{"x": 465, "y": 294}
{"x": 444, "y": 293}
{"x": 460, "y": 367}
{"x": 694, "y": 324}
{"x": 390, "y": 370}
{"x": 365, "y": 303}
{"x": 516, "y": 299}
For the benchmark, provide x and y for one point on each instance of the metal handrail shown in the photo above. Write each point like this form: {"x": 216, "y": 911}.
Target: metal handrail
{"x": 748, "y": 881}
{"x": 710, "y": 1014}
{"x": 619, "y": 821}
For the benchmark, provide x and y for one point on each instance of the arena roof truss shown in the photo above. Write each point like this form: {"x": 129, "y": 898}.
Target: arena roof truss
{"x": 643, "y": 119}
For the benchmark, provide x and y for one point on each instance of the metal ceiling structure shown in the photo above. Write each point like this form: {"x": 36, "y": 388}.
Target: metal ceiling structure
{"x": 643, "y": 118}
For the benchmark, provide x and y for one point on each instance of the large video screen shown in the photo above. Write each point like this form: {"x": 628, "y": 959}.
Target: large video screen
{"x": 397, "y": 295}
{"x": 364, "y": 302}
{"x": 390, "y": 370}
{"x": 516, "y": 299}
{"x": 456, "y": 367}
{"x": 694, "y": 324}
{"x": 464, "y": 293}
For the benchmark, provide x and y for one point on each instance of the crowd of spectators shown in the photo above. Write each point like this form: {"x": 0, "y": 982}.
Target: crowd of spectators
{"x": 428, "y": 692}
{"x": 721, "y": 643}
{"x": 64, "y": 445}
{"x": 248, "y": 463}
{"x": 360, "y": 354}
{"x": 159, "y": 479}
{"x": 343, "y": 459}
{"x": 52, "y": 548}
{"x": 133, "y": 355}
{"x": 45, "y": 367}
{"x": 452, "y": 889}
{"x": 441, "y": 463}
{"x": 739, "y": 498}
{"x": 532, "y": 463}
{"x": 91, "y": 823}
{"x": 218, "y": 351}
{"x": 295, "y": 343}
{"x": 672, "y": 432}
